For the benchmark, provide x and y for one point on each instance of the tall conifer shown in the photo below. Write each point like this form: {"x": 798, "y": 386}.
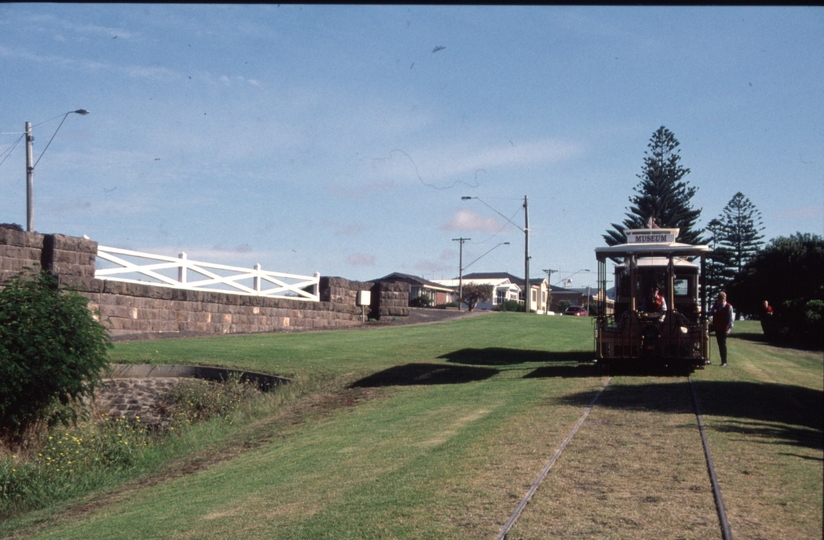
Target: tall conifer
{"x": 739, "y": 231}
{"x": 662, "y": 193}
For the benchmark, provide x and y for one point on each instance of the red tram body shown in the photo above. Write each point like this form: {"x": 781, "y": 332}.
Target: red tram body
{"x": 675, "y": 337}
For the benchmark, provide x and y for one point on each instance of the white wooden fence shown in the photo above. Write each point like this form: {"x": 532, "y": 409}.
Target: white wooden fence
{"x": 208, "y": 277}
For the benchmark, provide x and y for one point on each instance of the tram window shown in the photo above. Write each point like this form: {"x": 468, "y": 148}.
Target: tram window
{"x": 681, "y": 287}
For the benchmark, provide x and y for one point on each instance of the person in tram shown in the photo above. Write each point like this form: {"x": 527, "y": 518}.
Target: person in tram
{"x": 654, "y": 304}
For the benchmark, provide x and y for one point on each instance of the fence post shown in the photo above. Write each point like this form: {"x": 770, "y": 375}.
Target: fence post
{"x": 181, "y": 270}
{"x": 257, "y": 278}
{"x": 316, "y": 286}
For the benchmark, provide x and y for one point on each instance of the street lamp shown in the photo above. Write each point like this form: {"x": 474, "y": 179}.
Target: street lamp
{"x": 30, "y": 166}
{"x": 460, "y": 270}
{"x": 569, "y": 277}
{"x": 461, "y": 267}
{"x": 525, "y": 229}
{"x": 484, "y": 255}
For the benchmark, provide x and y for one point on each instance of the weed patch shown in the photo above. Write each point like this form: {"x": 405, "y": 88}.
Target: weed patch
{"x": 195, "y": 400}
{"x": 67, "y": 461}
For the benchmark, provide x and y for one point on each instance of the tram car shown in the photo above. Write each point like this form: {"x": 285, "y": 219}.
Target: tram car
{"x": 659, "y": 316}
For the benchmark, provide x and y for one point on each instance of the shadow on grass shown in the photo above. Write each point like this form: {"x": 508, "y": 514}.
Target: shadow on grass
{"x": 565, "y": 372}
{"x": 498, "y": 356}
{"x": 775, "y": 413}
{"x": 425, "y": 374}
{"x": 759, "y": 337}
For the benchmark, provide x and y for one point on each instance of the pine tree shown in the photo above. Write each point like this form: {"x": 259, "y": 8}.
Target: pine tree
{"x": 662, "y": 193}
{"x": 739, "y": 232}
{"x": 718, "y": 272}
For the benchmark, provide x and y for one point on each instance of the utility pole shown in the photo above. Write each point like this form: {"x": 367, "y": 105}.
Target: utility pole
{"x": 29, "y": 180}
{"x": 548, "y": 287}
{"x": 528, "y": 297}
{"x": 31, "y": 164}
{"x": 525, "y": 229}
{"x": 460, "y": 270}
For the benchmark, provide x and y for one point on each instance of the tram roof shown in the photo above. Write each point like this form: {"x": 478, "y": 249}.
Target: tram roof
{"x": 651, "y": 242}
{"x": 660, "y": 261}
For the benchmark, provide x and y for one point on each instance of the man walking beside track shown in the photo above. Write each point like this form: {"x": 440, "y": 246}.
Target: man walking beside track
{"x": 723, "y": 318}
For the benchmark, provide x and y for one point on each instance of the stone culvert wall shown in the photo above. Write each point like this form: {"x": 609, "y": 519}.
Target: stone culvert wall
{"x": 388, "y": 299}
{"x": 134, "y": 309}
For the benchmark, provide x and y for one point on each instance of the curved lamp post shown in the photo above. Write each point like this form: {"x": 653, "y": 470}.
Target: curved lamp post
{"x": 461, "y": 267}
{"x": 525, "y": 230}
{"x": 30, "y": 167}
{"x": 569, "y": 277}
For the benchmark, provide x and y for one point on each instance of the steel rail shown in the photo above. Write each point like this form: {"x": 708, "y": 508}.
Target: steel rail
{"x": 716, "y": 489}
{"x": 514, "y": 517}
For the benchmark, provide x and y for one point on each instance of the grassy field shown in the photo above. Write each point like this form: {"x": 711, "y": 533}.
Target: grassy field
{"x": 437, "y": 431}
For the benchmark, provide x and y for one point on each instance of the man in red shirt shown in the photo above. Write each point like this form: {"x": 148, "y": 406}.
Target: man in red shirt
{"x": 723, "y": 318}
{"x": 654, "y": 303}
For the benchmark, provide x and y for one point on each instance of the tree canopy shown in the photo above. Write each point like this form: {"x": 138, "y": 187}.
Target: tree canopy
{"x": 662, "y": 194}
{"x": 736, "y": 239}
{"x": 739, "y": 229}
{"x": 474, "y": 293}
{"x": 787, "y": 273}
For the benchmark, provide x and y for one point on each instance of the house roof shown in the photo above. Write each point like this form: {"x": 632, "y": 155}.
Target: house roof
{"x": 414, "y": 280}
{"x": 495, "y": 282}
{"x": 503, "y": 275}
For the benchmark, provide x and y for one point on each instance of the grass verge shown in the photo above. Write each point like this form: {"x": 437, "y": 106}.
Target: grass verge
{"x": 437, "y": 432}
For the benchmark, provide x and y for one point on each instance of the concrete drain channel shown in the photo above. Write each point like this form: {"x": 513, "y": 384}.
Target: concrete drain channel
{"x": 136, "y": 390}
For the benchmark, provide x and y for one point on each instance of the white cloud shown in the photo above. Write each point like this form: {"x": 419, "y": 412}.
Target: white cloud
{"x": 469, "y": 220}
{"x": 466, "y": 159}
{"x": 446, "y": 165}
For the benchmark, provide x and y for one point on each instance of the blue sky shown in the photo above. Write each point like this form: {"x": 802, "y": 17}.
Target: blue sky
{"x": 340, "y": 139}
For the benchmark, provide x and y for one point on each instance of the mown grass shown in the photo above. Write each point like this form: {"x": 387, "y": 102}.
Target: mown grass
{"x": 765, "y": 416}
{"x": 437, "y": 432}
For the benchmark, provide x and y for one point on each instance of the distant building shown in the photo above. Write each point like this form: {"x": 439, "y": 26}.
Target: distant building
{"x": 436, "y": 292}
{"x": 502, "y": 290}
{"x": 506, "y": 287}
{"x": 539, "y": 288}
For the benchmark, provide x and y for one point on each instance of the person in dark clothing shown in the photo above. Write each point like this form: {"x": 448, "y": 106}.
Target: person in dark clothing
{"x": 766, "y": 315}
{"x": 723, "y": 318}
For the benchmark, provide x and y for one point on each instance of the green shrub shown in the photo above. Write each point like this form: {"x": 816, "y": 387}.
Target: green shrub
{"x": 52, "y": 352}
{"x": 510, "y": 305}
{"x": 797, "y": 322}
{"x": 420, "y": 301}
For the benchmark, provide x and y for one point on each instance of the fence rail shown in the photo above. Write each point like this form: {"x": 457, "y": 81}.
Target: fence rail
{"x": 208, "y": 276}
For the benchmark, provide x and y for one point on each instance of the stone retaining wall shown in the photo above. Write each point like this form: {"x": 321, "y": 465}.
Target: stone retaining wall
{"x": 135, "y": 309}
{"x": 18, "y": 250}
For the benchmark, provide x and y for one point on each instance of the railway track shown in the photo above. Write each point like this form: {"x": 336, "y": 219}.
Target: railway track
{"x": 718, "y": 500}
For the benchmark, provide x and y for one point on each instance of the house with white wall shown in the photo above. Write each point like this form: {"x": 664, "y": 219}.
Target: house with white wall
{"x": 502, "y": 290}
{"x": 538, "y": 286}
